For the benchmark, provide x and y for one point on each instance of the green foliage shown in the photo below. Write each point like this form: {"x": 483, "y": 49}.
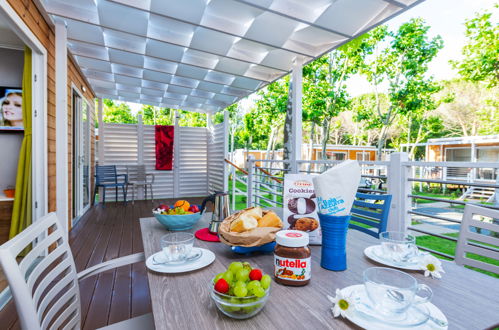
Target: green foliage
{"x": 481, "y": 53}
{"x": 117, "y": 113}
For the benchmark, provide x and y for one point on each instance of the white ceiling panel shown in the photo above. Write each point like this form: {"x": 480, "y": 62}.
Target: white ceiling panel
{"x": 204, "y": 55}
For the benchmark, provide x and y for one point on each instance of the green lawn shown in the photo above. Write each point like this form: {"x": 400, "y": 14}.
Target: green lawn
{"x": 435, "y": 195}
{"x": 449, "y": 247}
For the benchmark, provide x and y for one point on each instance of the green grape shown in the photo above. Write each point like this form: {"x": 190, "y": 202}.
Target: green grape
{"x": 240, "y": 291}
{"x": 265, "y": 281}
{"x": 259, "y": 292}
{"x": 219, "y": 276}
{"x": 247, "y": 266}
{"x": 234, "y": 300}
{"x": 228, "y": 276}
{"x": 242, "y": 275}
{"x": 231, "y": 290}
{"x": 235, "y": 266}
{"x": 253, "y": 285}
{"x": 240, "y": 283}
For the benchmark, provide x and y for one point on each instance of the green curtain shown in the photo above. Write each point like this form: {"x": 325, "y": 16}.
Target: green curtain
{"x": 22, "y": 210}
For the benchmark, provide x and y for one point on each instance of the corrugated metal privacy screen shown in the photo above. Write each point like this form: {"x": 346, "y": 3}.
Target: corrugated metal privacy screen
{"x": 198, "y": 162}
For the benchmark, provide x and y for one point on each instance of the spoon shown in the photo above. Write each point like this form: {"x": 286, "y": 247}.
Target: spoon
{"x": 193, "y": 257}
{"x": 395, "y": 295}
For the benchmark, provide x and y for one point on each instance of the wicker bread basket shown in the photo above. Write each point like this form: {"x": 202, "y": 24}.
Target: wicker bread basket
{"x": 254, "y": 237}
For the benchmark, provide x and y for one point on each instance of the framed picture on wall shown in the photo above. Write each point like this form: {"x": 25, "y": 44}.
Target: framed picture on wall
{"x": 11, "y": 112}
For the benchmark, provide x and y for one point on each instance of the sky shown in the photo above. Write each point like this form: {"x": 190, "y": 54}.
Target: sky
{"x": 446, "y": 18}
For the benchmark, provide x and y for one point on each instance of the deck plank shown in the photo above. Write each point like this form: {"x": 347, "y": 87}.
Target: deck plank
{"x": 101, "y": 234}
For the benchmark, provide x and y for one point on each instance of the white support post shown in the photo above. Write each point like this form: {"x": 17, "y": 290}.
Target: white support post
{"x": 100, "y": 114}
{"x": 473, "y": 160}
{"x": 296, "y": 119}
{"x": 399, "y": 187}
{"x": 140, "y": 151}
{"x": 251, "y": 171}
{"x": 140, "y": 140}
{"x": 61, "y": 125}
{"x": 176, "y": 157}
{"x": 226, "y": 150}
{"x": 100, "y": 151}
{"x": 234, "y": 195}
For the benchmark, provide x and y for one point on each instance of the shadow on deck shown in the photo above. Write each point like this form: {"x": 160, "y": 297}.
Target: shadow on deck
{"x": 104, "y": 233}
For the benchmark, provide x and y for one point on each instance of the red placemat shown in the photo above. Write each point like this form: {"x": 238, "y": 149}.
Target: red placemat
{"x": 205, "y": 235}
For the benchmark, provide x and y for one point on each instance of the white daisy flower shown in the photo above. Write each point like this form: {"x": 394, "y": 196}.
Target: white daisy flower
{"x": 342, "y": 304}
{"x": 431, "y": 266}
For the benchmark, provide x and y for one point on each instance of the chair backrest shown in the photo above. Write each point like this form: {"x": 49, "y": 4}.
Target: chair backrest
{"x": 44, "y": 282}
{"x": 136, "y": 173}
{"x": 478, "y": 238}
{"x": 368, "y": 216}
{"x": 105, "y": 174}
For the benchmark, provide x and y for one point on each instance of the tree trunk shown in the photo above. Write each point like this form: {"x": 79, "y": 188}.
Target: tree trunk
{"x": 311, "y": 145}
{"x": 288, "y": 139}
{"x": 381, "y": 142}
{"x": 325, "y": 137}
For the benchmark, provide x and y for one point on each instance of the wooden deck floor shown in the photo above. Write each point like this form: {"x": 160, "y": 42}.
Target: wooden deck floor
{"x": 102, "y": 234}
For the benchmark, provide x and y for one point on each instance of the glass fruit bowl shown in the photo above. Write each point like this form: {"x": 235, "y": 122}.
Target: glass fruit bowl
{"x": 239, "y": 308}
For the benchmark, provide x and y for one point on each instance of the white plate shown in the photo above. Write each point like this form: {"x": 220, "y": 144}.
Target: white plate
{"x": 370, "y": 322}
{"x": 372, "y": 253}
{"x": 206, "y": 259}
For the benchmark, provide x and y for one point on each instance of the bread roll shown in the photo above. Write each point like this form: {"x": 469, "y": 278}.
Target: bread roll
{"x": 255, "y": 212}
{"x": 244, "y": 222}
{"x": 270, "y": 220}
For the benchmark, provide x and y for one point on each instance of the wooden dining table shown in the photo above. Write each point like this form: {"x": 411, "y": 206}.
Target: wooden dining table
{"x": 469, "y": 299}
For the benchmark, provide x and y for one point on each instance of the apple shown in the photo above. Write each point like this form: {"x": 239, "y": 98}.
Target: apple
{"x": 164, "y": 207}
{"x": 194, "y": 209}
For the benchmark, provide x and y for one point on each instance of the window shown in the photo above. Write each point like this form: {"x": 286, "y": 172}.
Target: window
{"x": 458, "y": 155}
{"x": 362, "y": 156}
{"x": 336, "y": 155}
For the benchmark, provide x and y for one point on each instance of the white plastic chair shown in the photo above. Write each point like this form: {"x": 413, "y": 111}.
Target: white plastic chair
{"x": 137, "y": 176}
{"x": 472, "y": 242}
{"x": 44, "y": 283}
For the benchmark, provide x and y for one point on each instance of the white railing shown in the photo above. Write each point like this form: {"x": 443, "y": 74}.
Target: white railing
{"x": 412, "y": 209}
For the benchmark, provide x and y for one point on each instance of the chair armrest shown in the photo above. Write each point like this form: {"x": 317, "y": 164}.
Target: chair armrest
{"x": 111, "y": 264}
{"x": 152, "y": 175}
{"x": 125, "y": 176}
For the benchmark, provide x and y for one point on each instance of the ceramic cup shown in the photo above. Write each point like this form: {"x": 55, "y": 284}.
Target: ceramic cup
{"x": 177, "y": 246}
{"x": 398, "y": 246}
{"x": 392, "y": 292}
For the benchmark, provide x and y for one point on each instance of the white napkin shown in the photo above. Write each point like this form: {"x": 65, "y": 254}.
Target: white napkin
{"x": 336, "y": 188}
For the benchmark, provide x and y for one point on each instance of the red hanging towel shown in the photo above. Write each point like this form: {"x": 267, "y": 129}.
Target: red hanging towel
{"x": 164, "y": 147}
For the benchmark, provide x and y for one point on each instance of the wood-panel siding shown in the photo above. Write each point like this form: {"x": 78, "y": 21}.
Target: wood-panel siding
{"x": 32, "y": 17}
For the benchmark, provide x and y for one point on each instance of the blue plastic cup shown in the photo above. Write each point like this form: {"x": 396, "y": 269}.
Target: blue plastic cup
{"x": 334, "y": 241}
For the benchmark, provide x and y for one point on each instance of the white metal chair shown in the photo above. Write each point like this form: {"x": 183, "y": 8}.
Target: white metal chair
{"x": 44, "y": 283}
{"x": 137, "y": 176}
{"x": 475, "y": 241}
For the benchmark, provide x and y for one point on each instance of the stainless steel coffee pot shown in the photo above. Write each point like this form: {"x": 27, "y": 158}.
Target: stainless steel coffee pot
{"x": 221, "y": 209}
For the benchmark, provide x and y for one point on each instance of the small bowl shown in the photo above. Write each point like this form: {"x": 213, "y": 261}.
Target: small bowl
{"x": 238, "y": 308}
{"x": 179, "y": 221}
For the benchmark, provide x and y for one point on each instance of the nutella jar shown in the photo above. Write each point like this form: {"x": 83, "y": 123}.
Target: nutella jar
{"x": 292, "y": 258}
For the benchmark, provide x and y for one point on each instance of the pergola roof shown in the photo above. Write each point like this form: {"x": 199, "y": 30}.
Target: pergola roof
{"x": 203, "y": 55}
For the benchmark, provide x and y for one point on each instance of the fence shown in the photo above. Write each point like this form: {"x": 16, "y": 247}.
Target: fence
{"x": 198, "y": 162}
{"x": 413, "y": 207}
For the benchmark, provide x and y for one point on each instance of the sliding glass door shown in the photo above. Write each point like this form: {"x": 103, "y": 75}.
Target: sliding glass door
{"x": 81, "y": 156}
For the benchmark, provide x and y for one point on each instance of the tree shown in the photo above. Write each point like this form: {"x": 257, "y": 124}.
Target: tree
{"x": 469, "y": 109}
{"x": 118, "y": 112}
{"x": 270, "y": 109}
{"x": 403, "y": 65}
{"x": 481, "y": 53}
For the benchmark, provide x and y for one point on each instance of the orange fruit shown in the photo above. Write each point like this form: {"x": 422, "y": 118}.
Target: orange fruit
{"x": 183, "y": 204}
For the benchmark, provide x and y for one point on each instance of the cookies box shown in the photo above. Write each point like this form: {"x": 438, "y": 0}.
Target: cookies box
{"x": 300, "y": 206}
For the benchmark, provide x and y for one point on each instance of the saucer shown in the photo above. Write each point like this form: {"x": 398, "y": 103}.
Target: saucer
{"x": 373, "y": 253}
{"x": 206, "y": 258}
{"x": 158, "y": 258}
{"x": 416, "y": 317}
